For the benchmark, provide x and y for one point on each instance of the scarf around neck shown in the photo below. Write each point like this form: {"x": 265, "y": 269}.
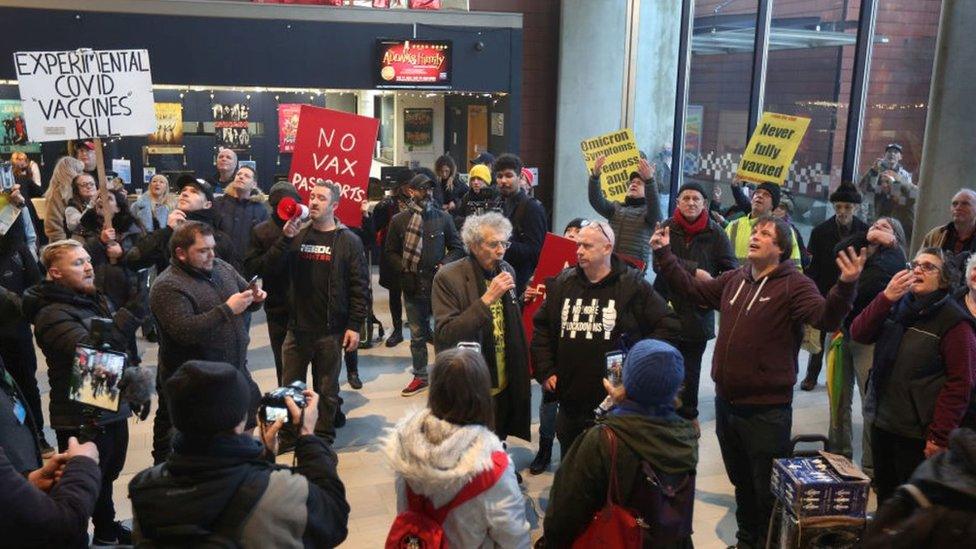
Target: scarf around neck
{"x": 413, "y": 241}
{"x": 692, "y": 228}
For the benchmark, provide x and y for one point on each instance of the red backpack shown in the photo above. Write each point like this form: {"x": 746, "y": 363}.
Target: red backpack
{"x": 421, "y": 526}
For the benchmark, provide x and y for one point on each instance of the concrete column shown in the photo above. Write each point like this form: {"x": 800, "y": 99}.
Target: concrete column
{"x": 949, "y": 151}
{"x": 592, "y": 42}
{"x": 592, "y": 72}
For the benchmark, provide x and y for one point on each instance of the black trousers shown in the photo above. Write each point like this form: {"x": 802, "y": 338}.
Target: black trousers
{"x": 112, "y": 443}
{"x": 895, "y": 459}
{"x": 324, "y": 353}
{"x": 750, "y": 437}
{"x": 570, "y": 424}
{"x": 396, "y": 309}
{"x": 692, "y": 352}
{"x": 162, "y": 428}
{"x": 20, "y": 359}
{"x": 277, "y": 329}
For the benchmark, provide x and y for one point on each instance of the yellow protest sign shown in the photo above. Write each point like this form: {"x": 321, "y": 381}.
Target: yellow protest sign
{"x": 772, "y": 147}
{"x": 623, "y": 157}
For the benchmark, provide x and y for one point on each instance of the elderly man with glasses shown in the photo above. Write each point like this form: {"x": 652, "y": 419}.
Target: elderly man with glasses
{"x": 598, "y": 306}
{"x": 474, "y": 300}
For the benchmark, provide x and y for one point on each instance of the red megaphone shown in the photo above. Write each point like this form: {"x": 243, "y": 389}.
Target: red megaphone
{"x": 289, "y": 209}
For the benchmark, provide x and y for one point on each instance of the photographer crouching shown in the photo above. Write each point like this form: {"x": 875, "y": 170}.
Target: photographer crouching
{"x": 67, "y": 312}
{"x": 218, "y": 484}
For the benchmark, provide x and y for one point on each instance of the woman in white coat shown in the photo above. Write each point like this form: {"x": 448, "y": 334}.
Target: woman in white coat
{"x": 440, "y": 449}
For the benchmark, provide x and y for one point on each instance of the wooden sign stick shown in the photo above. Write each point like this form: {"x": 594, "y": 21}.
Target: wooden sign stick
{"x": 102, "y": 184}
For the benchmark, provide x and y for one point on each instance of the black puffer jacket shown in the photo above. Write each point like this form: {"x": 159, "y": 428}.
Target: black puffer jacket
{"x": 879, "y": 269}
{"x": 236, "y": 217}
{"x": 709, "y": 250}
{"x": 62, "y": 320}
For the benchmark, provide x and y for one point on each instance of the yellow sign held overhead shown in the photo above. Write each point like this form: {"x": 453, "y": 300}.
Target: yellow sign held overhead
{"x": 772, "y": 147}
{"x": 622, "y": 159}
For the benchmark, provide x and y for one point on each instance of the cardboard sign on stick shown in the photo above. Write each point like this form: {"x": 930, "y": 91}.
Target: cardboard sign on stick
{"x": 338, "y": 147}
{"x": 85, "y": 94}
{"x": 622, "y": 155}
{"x": 772, "y": 147}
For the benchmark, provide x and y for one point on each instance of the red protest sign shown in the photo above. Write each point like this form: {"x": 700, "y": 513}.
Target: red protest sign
{"x": 557, "y": 253}
{"x": 338, "y": 147}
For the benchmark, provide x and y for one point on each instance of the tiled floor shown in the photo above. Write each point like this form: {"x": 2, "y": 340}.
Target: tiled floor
{"x": 369, "y": 481}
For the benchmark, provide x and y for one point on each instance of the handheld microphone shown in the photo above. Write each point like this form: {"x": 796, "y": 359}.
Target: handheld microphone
{"x": 511, "y": 291}
{"x": 289, "y": 209}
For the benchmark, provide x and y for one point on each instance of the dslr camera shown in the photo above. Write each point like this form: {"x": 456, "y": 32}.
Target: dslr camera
{"x": 273, "y": 405}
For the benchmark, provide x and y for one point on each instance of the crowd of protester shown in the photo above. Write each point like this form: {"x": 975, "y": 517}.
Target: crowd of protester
{"x": 184, "y": 263}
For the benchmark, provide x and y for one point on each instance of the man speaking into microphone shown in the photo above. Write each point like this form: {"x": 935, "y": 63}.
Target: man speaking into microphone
{"x": 474, "y": 300}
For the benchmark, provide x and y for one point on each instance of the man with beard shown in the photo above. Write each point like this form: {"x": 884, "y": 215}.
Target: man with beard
{"x": 328, "y": 282}
{"x": 420, "y": 240}
{"x": 200, "y": 304}
{"x": 194, "y": 204}
{"x": 632, "y": 221}
{"x": 475, "y": 300}
{"x": 62, "y": 308}
{"x": 527, "y": 216}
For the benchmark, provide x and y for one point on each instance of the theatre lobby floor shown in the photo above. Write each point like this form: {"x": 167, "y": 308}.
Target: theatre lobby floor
{"x": 377, "y": 407}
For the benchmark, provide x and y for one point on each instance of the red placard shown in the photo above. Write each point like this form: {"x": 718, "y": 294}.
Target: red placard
{"x": 557, "y": 253}
{"x": 338, "y": 147}
{"x": 413, "y": 63}
{"x": 287, "y": 126}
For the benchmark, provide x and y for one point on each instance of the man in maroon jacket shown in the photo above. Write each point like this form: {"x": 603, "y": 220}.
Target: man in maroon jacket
{"x": 763, "y": 306}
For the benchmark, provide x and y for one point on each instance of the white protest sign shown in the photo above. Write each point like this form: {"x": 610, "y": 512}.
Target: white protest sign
{"x": 84, "y": 94}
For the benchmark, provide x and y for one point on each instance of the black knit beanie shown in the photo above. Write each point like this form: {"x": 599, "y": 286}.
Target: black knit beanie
{"x": 280, "y": 190}
{"x": 693, "y": 186}
{"x": 773, "y": 190}
{"x": 206, "y": 398}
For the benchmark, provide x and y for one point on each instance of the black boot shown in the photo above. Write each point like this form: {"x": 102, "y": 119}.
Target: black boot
{"x": 543, "y": 458}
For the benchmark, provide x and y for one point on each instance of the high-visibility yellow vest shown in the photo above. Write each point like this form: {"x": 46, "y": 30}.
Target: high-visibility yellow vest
{"x": 739, "y": 232}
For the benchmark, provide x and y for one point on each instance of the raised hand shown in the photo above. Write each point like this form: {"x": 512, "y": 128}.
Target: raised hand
{"x": 661, "y": 237}
{"x": 292, "y": 227}
{"x": 851, "y": 264}
{"x": 899, "y": 285}
{"x": 646, "y": 169}
{"x": 502, "y": 283}
{"x": 175, "y": 218}
{"x": 240, "y": 301}
{"x": 598, "y": 165}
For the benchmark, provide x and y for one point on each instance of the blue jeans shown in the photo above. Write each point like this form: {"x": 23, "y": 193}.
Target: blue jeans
{"x": 418, "y": 319}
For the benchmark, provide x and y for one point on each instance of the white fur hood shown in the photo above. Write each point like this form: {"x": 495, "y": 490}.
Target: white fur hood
{"x": 438, "y": 458}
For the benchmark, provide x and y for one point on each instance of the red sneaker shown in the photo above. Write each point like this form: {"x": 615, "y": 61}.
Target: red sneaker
{"x": 416, "y": 386}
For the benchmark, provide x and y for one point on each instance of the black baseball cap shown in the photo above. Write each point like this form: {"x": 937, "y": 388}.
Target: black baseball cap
{"x": 484, "y": 158}
{"x": 187, "y": 180}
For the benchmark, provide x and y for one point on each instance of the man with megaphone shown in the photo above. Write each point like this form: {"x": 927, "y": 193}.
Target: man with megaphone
{"x": 323, "y": 264}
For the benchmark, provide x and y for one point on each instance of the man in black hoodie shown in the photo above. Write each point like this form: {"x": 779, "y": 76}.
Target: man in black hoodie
{"x": 62, "y": 308}
{"x": 599, "y": 306}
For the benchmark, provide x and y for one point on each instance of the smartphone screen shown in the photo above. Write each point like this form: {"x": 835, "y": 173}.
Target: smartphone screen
{"x": 615, "y": 368}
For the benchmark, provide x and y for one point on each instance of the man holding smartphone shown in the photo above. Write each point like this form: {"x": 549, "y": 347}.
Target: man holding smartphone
{"x": 65, "y": 309}
{"x": 600, "y": 305}
{"x": 199, "y": 303}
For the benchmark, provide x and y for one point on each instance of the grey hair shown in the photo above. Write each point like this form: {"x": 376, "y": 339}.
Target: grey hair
{"x": 474, "y": 225}
{"x": 970, "y": 265}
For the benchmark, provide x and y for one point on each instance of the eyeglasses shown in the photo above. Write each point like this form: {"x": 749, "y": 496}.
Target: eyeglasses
{"x": 924, "y": 265}
{"x": 588, "y": 222}
{"x": 496, "y": 243}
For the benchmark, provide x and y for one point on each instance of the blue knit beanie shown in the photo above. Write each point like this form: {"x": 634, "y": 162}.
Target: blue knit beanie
{"x": 653, "y": 373}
